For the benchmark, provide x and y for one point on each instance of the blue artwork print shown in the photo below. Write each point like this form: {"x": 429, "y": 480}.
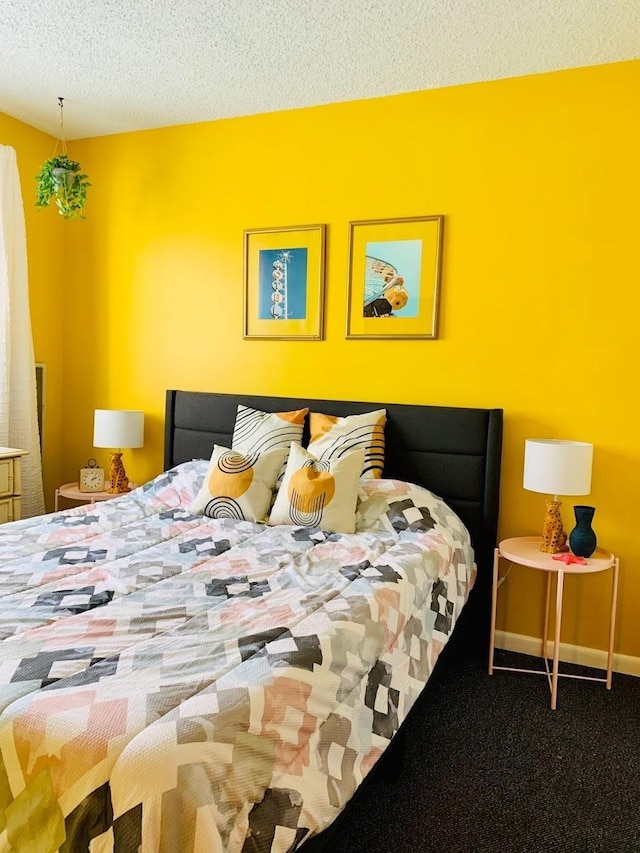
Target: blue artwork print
{"x": 392, "y": 278}
{"x": 282, "y": 284}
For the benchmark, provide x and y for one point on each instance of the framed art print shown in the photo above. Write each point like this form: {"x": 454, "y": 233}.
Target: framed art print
{"x": 394, "y": 277}
{"x": 284, "y": 282}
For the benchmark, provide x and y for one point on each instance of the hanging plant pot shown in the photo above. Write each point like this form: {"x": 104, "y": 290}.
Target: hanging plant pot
{"x": 62, "y": 176}
{"x": 61, "y": 180}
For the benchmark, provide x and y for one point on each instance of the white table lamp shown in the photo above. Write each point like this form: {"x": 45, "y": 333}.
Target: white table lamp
{"x": 117, "y": 428}
{"x": 556, "y": 467}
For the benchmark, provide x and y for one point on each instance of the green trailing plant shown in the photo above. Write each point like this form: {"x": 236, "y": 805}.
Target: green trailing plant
{"x": 61, "y": 180}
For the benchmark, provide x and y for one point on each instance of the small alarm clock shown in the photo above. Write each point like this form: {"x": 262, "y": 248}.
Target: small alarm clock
{"x": 91, "y": 478}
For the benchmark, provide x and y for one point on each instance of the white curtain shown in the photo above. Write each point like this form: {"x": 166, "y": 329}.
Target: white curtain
{"x": 18, "y": 403}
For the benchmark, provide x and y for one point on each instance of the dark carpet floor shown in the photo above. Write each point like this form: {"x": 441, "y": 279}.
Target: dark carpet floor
{"x": 489, "y": 768}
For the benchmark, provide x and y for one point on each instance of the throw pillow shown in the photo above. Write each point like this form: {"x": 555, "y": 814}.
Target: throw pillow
{"x": 332, "y": 437}
{"x": 319, "y": 494}
{"x": 239, "y": 485}
{"x": 256, "y": 432}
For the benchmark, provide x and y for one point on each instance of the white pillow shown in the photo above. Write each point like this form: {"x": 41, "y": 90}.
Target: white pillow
{"x": 256, "y": 432}
{"x": 239, "y": 485}
{"x": 332, "y": 437}
{"x": 319, "y": 494}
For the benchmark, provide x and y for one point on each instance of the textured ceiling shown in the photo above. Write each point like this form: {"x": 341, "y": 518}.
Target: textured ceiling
{"x": 130, "y": 64}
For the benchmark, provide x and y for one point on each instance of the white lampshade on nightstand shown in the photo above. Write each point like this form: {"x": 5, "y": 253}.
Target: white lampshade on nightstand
{"x": 118, "y": 428}
{"x": 556, "y": 467}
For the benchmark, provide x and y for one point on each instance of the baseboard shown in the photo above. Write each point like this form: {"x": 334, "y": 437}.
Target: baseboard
{"x": 583, "y": 655}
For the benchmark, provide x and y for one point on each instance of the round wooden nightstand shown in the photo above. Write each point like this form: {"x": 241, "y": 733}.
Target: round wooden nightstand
{"x": 73, "y": 493}
{"x": 525, "y": 551}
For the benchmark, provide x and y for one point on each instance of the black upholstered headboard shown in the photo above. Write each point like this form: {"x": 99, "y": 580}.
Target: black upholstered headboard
{"x": 454, "y": 452}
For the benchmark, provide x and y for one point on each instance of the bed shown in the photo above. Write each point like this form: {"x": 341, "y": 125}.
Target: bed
{"x": 171, "y": 682}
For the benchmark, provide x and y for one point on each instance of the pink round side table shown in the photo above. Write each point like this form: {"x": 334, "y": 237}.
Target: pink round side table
{"x": 525, "y": 551}
{"x": 73, "y": 493}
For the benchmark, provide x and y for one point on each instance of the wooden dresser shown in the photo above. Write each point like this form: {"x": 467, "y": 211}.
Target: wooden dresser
{"x": 10, "y": 483}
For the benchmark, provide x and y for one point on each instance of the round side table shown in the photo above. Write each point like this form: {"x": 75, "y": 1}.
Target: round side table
{"x": 525, "y": 551}
{"x": 73, "y": 493}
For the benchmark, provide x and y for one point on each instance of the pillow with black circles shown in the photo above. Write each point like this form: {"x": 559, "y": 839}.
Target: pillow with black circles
{"x": 239, "y": 485}
{"x": 319, "y": 494}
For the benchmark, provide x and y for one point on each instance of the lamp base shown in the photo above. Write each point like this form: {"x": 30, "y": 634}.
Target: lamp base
{"x": 118, "y": 476}
{"x": 554, "y": 538}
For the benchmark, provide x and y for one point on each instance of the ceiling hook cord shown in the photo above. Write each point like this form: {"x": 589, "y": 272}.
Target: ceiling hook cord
{"x": 62, "y": 139}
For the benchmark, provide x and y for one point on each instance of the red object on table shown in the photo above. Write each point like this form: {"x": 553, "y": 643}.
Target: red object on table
{"x": 570, "y": 558}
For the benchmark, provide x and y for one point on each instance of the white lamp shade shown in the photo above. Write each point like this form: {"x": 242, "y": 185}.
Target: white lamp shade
{"x": 557, "y": 467}
{"x": 116, "y": 428}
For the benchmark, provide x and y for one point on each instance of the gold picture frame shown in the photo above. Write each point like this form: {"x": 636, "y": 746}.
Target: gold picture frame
{"x": 395, "y": 269}
{"x": 284, "y": 271}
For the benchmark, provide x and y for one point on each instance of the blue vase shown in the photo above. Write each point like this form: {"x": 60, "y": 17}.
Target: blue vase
{"x": 582, "y": 539}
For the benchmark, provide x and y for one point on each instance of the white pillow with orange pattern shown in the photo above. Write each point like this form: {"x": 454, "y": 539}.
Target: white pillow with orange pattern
{"x": 239, "y": 485}
{"x": 256, "y": 432}
{"x": 319, "y": 494}
{"x": 333, "y": 437}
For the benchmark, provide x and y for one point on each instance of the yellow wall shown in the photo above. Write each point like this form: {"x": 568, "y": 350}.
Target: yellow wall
{"x": 539, "y": 181}
{"x": 45, "y": 256}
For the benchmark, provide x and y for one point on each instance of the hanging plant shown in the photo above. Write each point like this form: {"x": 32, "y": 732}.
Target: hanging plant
{"x": 61, "y": 180}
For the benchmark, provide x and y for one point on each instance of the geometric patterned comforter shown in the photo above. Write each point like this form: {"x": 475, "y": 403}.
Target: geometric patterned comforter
{"x": 178, "y": 684}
